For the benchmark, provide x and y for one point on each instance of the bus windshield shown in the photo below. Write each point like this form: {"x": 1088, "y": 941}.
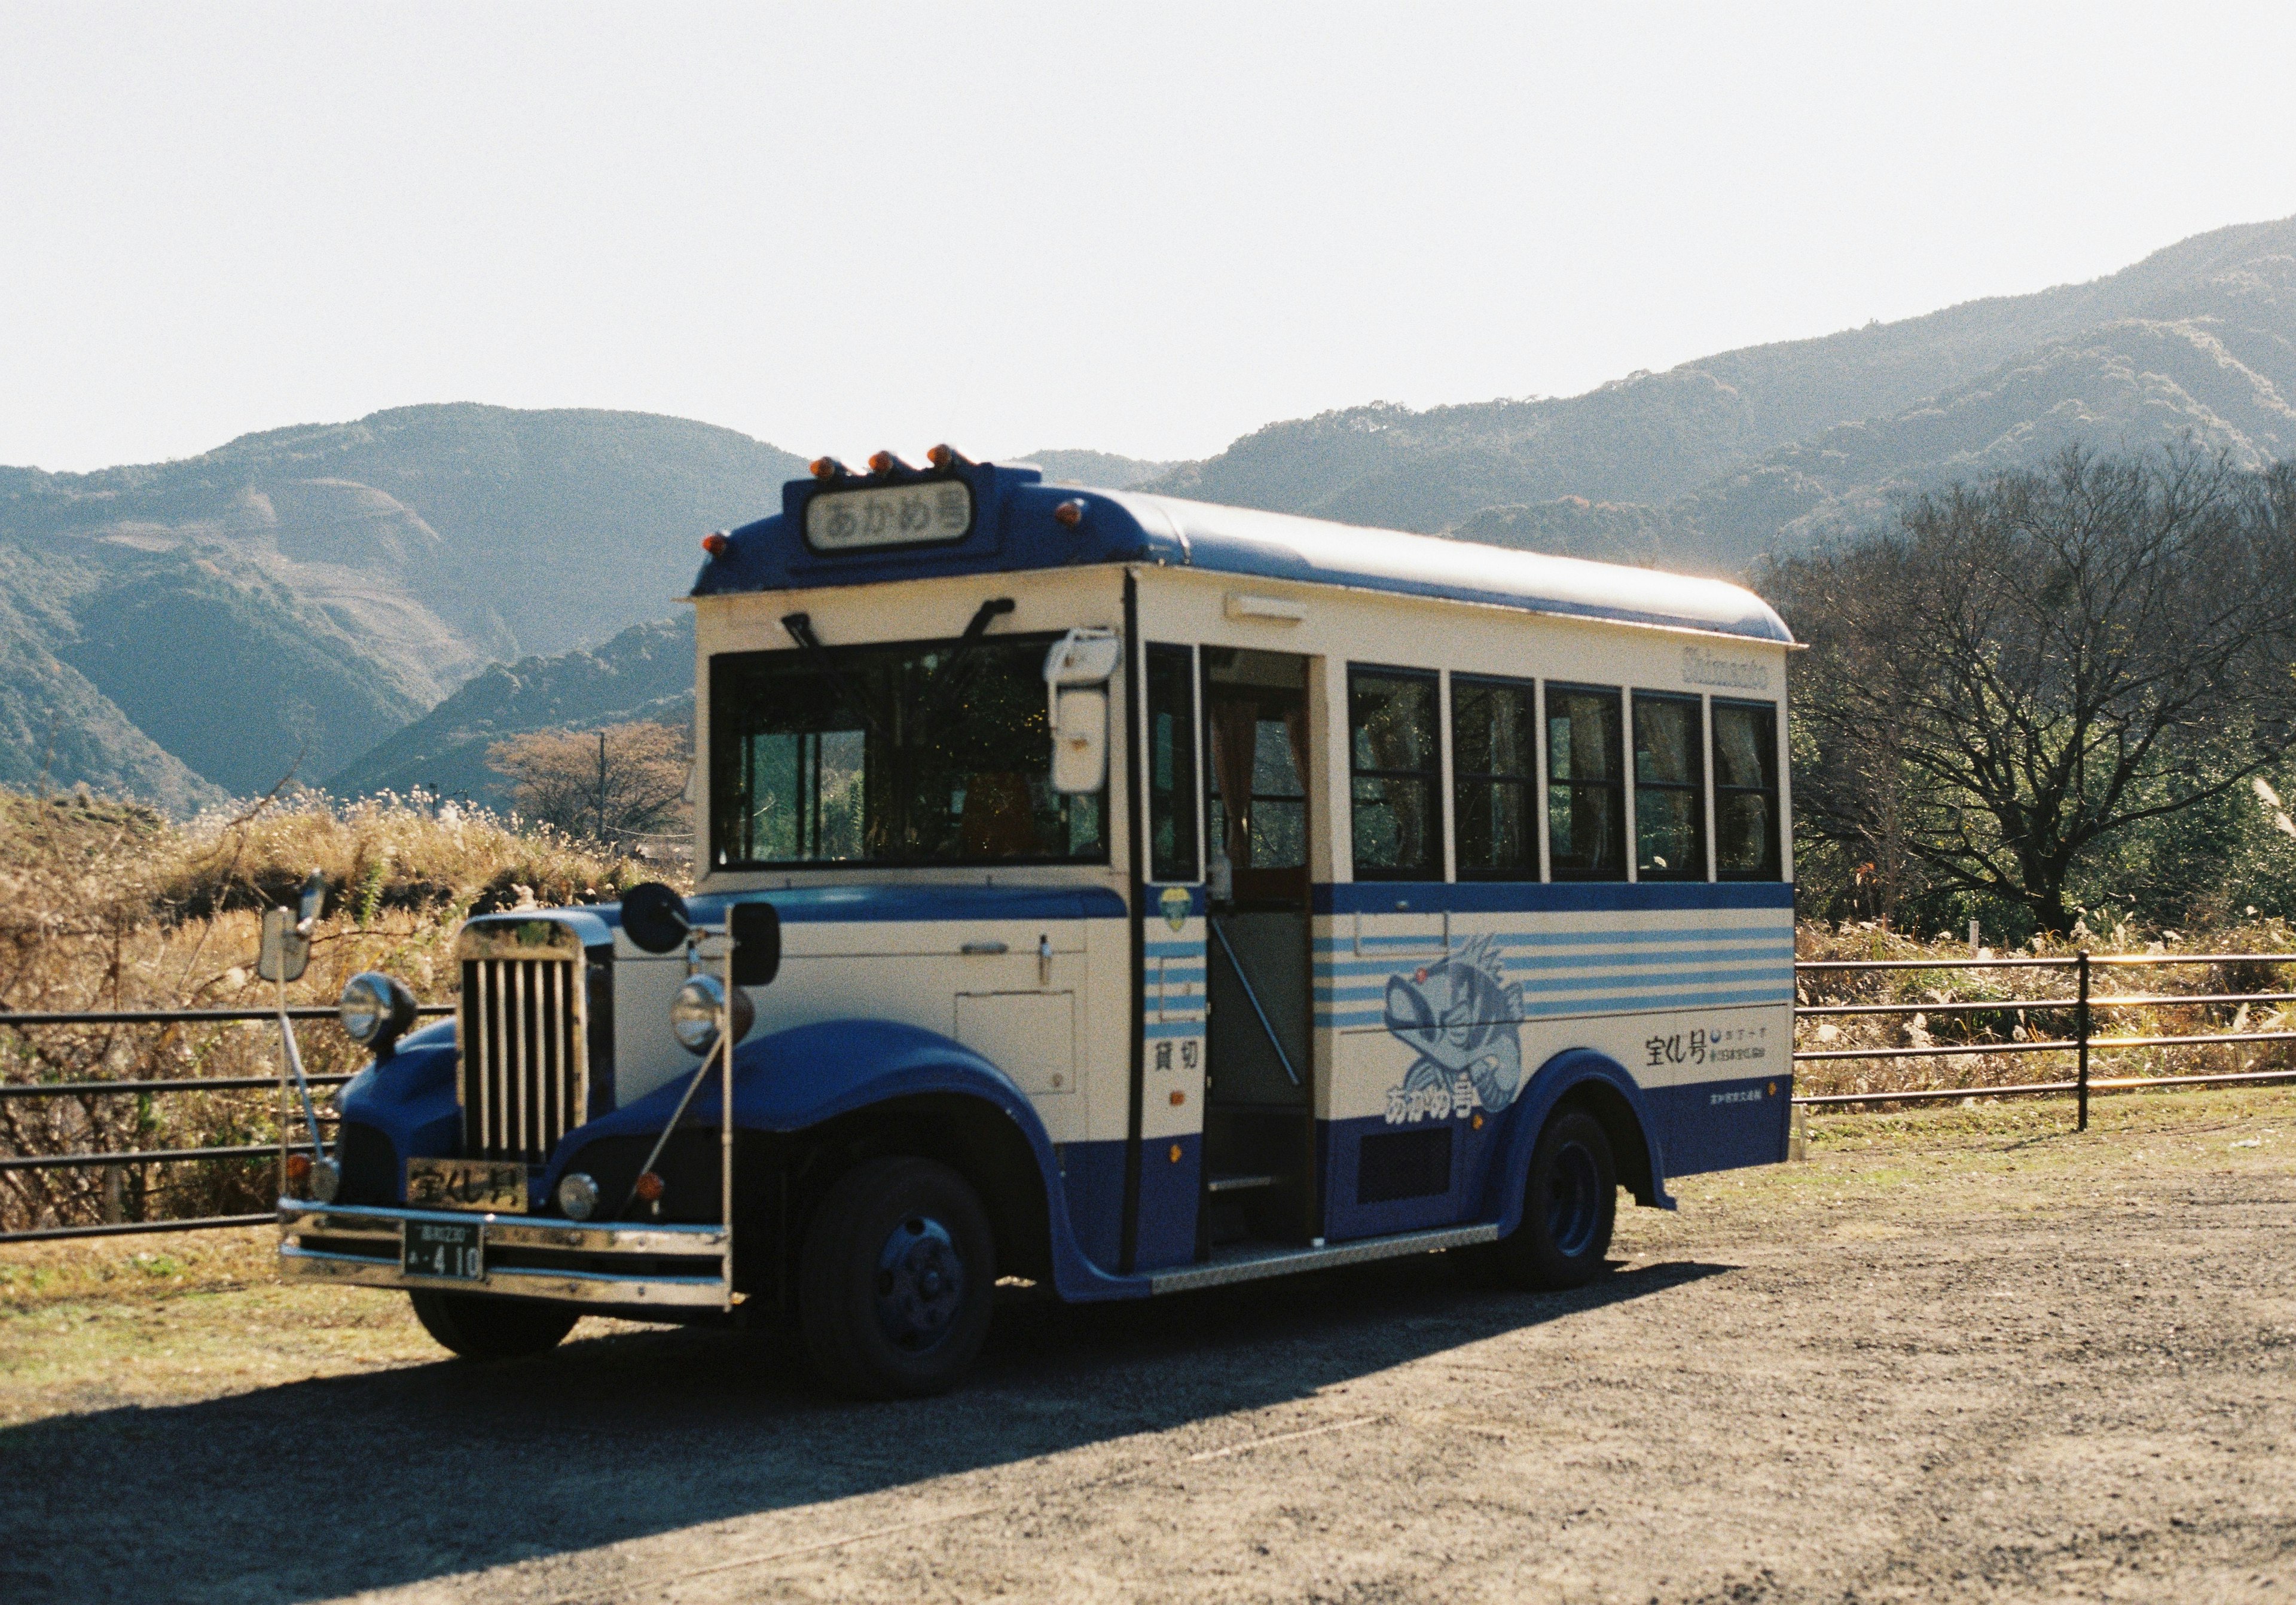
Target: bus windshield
{"x": 905, "y": 753}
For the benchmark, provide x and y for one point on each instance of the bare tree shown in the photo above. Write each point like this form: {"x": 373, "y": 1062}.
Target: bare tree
{"x": 2009, "y": 674}
{"x": 626, "y": 779}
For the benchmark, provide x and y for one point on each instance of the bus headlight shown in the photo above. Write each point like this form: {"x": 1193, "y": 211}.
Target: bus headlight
{"x": 375, "y": 1011}
{"x": 577, "y": 1196}
{"x": 693, "y": 1017}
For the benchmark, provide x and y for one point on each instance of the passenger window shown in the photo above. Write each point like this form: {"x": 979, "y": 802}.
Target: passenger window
{"x": 1746, "y": 845}
{"x": 1585, "y": 804}
{"x": 1669, "y": 787}
{"x": 1493, "y": 726}
{"x": 1396, "y": 769}
{"x": 1171, "y": 765}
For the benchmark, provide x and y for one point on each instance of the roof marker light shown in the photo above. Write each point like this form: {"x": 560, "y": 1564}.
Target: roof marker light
{"x": 946, "y": 457}
{"x": 829, "y": 468}
{"x": 885, "y": 463}
{"x": 1070, "y": 513}
{"x": 716, "y": 542}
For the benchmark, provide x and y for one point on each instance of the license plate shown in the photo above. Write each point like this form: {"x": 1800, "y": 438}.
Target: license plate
{"x": 466, "y": 1185}
{"x": 454, "y": 1251}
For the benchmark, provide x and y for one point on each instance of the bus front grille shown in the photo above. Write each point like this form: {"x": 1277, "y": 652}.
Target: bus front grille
{"x": 524, "y": 1060}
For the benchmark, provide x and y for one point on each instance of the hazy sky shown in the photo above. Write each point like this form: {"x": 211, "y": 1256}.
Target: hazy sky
{"x": 1147, "y": 230}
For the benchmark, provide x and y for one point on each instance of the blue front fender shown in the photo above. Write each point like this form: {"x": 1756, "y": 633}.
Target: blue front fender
{"x": 409, "y": 1098}
{"x": 794, "y": 1080}
{"x": 1571, "y": 1070}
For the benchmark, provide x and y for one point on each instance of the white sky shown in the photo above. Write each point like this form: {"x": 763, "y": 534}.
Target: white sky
{"x": 1147, "y": 230}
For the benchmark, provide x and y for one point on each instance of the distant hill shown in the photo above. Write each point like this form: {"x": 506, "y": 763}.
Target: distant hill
{"x": 1732, "y": 454}
{"x": 182, "y": 630}
{"x": 644, "y": 673}
{"x": 1104, "y": 470}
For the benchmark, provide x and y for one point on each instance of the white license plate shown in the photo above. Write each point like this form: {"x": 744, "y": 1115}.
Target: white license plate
{"x": 451, "y": 1250}
{"x": 466, "y": 1185}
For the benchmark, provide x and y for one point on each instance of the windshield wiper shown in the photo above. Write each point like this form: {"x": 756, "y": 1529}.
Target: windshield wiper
{"x": 800, "y": 626}
{"x": 951, "y": 674}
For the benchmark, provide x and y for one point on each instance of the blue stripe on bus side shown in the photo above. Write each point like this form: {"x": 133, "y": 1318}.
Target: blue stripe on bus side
{"x": 1532, "y": 896}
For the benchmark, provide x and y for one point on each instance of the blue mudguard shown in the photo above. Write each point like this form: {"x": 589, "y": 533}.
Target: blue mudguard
{"x": 1574, "y": 1069}
{"x": 409, "y": 1098}
{"x": 795, "y": 1079}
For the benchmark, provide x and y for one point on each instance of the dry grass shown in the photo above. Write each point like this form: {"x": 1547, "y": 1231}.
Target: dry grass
{"x": 106, "y": 906}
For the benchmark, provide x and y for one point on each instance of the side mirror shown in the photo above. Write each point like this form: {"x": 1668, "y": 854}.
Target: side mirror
{"x": 654, "y": 917}
{"x": 757, "y": 943}
{"x": 286, "y": 952}
{"x": 1076, "y": 672}
{"x": 1080, "y": 742}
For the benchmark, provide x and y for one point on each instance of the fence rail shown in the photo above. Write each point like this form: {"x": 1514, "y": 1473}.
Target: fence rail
{"x": 2082, "y": 1044}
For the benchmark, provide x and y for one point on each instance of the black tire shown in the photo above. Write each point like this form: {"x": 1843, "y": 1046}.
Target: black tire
{"x": 897, "y": 1280}
{"x": 479, "y": 1327}
{"x": 1571, "y": 1200}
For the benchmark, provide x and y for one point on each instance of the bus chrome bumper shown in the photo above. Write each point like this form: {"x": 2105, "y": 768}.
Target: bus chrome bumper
{"x": 619, "y": 1263}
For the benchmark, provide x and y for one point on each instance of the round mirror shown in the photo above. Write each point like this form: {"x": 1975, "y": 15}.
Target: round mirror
{"x": 654, "y": 917}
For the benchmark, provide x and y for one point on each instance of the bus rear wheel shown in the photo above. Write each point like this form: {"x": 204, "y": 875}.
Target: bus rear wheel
{"x": 478, "y": 1328}
{"x": 896, "y": 1281}
{"x": 1569, "y": 1203}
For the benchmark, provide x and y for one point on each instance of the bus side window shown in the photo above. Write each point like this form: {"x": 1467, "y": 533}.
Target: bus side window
{"x": 1395, "y": 766}
{"x": 1492, "y": 759}
{"x": 1585, "y": 804}
{"x": 1669, "y": 789}
{"x": 1746, "y": 791}
{"x": 1171, "y": 764}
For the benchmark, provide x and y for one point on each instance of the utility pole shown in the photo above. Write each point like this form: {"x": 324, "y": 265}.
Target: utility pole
{"x": 602, "y": 785}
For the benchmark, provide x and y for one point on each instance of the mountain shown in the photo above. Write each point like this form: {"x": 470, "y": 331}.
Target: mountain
{"x": 1102, "y": 470}
{"x": 184, "y": 630}
{"x": 1727, "y": 456}
{"x": 644, "y": 673}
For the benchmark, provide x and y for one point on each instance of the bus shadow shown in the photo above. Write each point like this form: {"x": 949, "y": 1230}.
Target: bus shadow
{"x": 315, "y": 1489}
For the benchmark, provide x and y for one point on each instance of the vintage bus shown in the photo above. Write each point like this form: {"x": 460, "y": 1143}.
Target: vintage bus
{"x": 1117, "y": 894}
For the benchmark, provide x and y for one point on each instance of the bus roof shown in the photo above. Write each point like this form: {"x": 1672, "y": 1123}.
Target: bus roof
{"x": 1016, "y": 524}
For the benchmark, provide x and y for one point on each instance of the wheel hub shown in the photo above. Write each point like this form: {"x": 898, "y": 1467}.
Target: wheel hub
{"x": 920, "y": 1282}
{"x": 1572, "y": 1205}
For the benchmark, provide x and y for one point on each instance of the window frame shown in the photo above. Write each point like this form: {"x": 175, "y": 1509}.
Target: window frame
{"x": 1531, "y": 782}
{"x": 1696, "y": 786}
{"x": 1774, "y": 866}
{"x": 1185, "y": 794}
{"x": 724, "y": 672}
{"x": 1556, "y": 869}
{"x": 1432, "y": 775}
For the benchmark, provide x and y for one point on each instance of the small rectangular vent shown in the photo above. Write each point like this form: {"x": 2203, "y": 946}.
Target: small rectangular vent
{"x": 1392, "y": 1165}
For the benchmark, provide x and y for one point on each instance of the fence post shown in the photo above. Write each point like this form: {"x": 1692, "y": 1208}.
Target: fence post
{"x": 2080, "y": 1029}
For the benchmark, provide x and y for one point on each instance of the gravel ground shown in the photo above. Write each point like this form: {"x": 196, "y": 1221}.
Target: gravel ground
{"x": 1959, "y": 1355}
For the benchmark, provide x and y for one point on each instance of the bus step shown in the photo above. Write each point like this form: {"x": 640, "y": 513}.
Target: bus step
{"x": 1240, "y": 1183}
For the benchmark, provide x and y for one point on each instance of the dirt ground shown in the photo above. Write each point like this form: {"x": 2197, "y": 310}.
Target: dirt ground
{"x": 1965, "y": 1354}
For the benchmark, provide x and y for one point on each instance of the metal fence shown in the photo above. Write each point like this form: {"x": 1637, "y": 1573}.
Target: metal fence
{"x": 172, "y": 1085}
{"x": 2083, "y": 1044}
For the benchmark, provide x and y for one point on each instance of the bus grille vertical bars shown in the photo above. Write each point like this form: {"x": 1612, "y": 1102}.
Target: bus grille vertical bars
{"x": 524, "y": 1057}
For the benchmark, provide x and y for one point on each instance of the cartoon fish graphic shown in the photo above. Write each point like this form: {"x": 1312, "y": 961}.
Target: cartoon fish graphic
{"x": 1460, "y": 1015}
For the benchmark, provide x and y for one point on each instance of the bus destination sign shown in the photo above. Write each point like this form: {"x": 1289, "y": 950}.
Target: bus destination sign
{"x": 888, "y": 515}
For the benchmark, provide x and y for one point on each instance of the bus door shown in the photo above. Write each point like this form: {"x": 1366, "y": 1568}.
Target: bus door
{"x": 1259, "y": 1146}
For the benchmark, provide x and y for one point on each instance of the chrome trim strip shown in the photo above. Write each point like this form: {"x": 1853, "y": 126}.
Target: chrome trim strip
{"x": 520, "y": 1282}
{"x": 382, "y": 1221}
{"x": 1284, "y": 1262}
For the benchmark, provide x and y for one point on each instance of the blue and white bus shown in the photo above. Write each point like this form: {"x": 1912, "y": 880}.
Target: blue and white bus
{"x": 1118, "y": 894}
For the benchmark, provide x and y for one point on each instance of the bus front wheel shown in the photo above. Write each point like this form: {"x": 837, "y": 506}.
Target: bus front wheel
{"x": 479, "y": 1327}
{"x": 895, "y": 1283}
{"x": 1570, "y": 1201}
